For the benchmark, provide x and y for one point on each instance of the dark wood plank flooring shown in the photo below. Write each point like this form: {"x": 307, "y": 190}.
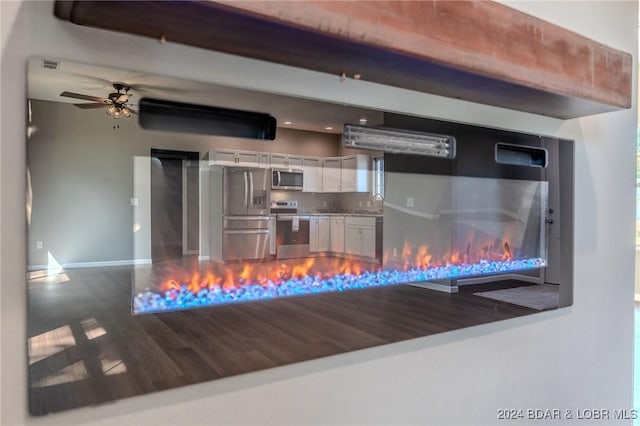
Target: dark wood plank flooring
{"x": 87, "y": 348}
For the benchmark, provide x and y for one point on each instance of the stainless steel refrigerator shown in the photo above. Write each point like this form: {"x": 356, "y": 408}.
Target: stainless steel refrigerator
{"x": 246, "y": 204}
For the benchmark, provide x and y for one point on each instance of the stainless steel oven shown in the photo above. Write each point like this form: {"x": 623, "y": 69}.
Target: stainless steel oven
{"x": 292, "y": 236}
{"x": 292, "y": 230}
{"x": 287, "y": 179}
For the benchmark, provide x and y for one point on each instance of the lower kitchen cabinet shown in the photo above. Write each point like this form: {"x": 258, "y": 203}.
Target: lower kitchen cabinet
{"x": 319, "y": 230}
{"x": 336, "y": 228}
{"x": 360, "y": 236}
{"x": 272, "y": 235}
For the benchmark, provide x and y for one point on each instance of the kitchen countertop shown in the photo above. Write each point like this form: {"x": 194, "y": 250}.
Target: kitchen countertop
{"x": 307, "y": 213}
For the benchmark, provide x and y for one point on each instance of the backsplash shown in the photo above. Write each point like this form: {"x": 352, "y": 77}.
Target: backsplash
{"x": 330, "y": 202}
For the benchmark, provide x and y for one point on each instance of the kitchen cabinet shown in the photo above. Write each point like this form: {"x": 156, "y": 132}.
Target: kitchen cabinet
{"x": 223, "y": 157}
{"x": 360, "y": 236}
{"x": 356, "y": 173}
{"x": 248, "y": 159}
{"x": 263, "y": 160}
{"x": 272, "y": 235}
{"x": 232, "y": 157}
{"x": 336, "y": 230}
{"x": 282, "y": 161}
{"x": 331, "y": 171}
{"x": 312, "y": 168}
{"x": 323, "y": 233}
{"x": 319, "y": 229}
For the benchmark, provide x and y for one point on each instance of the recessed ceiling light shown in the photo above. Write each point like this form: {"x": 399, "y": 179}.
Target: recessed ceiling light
{"x": 287, "y": 122}
{"x": 363, "y": 121}
{"x": 328, "y": 128}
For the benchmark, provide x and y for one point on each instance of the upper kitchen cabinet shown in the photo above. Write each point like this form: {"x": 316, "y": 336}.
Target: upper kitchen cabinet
{"x": 331, "y": 174}
{"x": 230, "y": 157}
{"x": 281, "y": 161}
{"x": 356, "y": 173}
{"x": 252, "y": 159}
{"x": 312, "y": 168}
{"x": 223, "y": 157}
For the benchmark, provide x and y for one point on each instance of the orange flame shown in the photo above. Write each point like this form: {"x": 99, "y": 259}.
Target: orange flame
{"x": 230, "y": 276}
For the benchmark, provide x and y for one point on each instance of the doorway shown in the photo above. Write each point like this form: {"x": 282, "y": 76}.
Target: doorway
{"x": 174, "y": 204}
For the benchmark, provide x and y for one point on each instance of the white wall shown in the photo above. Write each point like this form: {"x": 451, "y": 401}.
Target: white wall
{"x": 579, "y": 357}
{"x": 90, "y": 219}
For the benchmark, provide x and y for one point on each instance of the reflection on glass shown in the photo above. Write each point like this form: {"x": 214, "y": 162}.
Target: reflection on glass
{"x": 450, "y": 227}
{"x": 50, "y": 343}
{"x": 129, "y": 218}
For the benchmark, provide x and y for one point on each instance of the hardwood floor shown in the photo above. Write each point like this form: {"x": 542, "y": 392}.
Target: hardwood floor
{"x": 85, "y": 346}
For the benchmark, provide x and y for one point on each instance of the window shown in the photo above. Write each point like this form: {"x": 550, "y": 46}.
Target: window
{"x": 378, "y": 177}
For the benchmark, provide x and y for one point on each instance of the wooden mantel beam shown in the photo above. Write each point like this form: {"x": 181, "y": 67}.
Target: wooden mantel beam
{"x": 480, "y": 51}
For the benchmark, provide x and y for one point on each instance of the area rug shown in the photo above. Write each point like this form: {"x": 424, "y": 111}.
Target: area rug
{"x": 539, "y": 296}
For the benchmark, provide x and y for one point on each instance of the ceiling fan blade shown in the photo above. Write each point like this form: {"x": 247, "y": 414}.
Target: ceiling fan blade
{"x": 122, "y": 98}
{"x": 89, "y": 106}
{"x": 85, "y": 97}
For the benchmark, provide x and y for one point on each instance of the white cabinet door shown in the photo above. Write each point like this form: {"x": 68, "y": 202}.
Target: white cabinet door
{"x": 312, "y": 168}
{"x": 248, "y": 159}
{"x": 331, "y": 174}
{"x": 263, "y": 159}
{"x": 272, "y": 235}
{"x": 222, "y": 157}
{"x": 337, "y": 234}
{"x": 353, "y": 240}
{"x": 314, "y": 234}
{"x": 368, "y": 242}
{"x": 360, "y": 236}
{"x": 323, "y": 233}
{"x": 348, "y": 174}
{"x": 294, "y": 162}
{"x": 283, "y": 161}
{"x": 230, "y": 157}
{"x": 277, "y": 161}
{"x": 356, "y": 173}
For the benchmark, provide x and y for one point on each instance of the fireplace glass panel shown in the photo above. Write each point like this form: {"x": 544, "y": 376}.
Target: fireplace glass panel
{"x": 435, "y": 227}
{"x": 447, "y": 227}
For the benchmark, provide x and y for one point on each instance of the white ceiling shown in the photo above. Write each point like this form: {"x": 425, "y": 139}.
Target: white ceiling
{"x": 47, "y": 84}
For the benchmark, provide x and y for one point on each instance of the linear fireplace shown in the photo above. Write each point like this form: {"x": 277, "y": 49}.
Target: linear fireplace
{"x": 483, "y": 214}
{"x": 472, "y": 226}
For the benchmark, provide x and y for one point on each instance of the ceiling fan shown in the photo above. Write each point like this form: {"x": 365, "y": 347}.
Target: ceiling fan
{"x": 116, "y": 104}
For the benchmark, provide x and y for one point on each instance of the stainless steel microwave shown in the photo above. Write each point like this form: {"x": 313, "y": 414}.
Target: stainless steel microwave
{"x": 287, "y": 179}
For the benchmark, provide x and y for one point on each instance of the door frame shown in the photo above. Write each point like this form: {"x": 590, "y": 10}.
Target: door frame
{"x": 187, "y": 157}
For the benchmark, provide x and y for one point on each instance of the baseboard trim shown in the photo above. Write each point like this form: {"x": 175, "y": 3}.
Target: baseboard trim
{"x": 201, "y": 258}
{"x": 438, "y": 287}
{"x": 76, "y": 265}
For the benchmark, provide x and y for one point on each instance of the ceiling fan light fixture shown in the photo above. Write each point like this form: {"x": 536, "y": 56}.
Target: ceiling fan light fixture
{"x": 110, "y": 110}
{"x": 126, "y": 112}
